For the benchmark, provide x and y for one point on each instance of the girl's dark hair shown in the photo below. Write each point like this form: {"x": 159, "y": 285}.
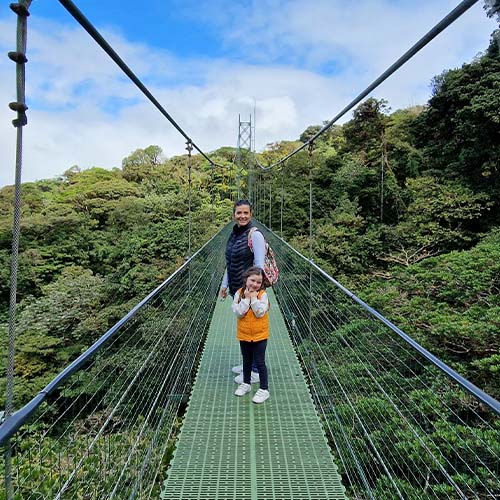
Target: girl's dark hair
{"x": 250, "y": 271}
{"x": 239, "y": 203}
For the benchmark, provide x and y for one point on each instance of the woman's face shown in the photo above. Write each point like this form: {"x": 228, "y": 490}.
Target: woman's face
{"x": 254, "y": 282}
{"x": 242, "y": 215}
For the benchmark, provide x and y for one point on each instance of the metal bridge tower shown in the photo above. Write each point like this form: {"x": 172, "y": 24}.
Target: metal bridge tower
{"x": 244, "y": 142}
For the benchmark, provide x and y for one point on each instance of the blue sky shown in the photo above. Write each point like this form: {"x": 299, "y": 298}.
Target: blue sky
{"x": 169, "y": 25}
{"x": 299, "y": 62}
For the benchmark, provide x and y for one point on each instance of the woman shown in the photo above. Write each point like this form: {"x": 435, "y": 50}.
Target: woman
{"x": 239, "y": 257}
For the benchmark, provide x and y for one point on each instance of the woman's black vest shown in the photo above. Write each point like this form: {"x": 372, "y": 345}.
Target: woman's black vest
{"x": 239, "y": 257}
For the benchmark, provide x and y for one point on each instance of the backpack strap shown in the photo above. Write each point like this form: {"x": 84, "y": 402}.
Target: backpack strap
{"x": 250, "y": 243}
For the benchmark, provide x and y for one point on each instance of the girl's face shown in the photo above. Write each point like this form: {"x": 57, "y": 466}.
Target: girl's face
{"x": 242, "y": 215}
{"x": 254, "y": 282}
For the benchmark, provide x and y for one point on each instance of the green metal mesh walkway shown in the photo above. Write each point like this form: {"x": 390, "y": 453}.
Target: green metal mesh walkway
{"x": 230, "y": 448}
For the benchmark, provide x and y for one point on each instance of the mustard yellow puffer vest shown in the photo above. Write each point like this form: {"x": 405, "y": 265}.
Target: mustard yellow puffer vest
{"x": 250, "y": 328}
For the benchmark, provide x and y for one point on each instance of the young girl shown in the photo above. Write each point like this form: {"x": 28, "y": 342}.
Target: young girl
{"x": 251, "y": 308}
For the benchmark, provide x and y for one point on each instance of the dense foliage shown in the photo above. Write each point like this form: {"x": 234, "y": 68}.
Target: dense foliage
{"x": 406, "y": 213}
{"x": 406, "y": 210}
{"x": 93, "y": 244}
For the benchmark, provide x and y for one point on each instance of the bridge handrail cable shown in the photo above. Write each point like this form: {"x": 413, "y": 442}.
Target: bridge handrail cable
{"x": 420, "y": 44}
{"x": 101, "y": 41}
{"x": 485, "y": 398}
{"x": 13, "y": 423}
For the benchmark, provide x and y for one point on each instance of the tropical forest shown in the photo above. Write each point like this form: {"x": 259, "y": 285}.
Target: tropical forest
{"x": 405, "y": 214}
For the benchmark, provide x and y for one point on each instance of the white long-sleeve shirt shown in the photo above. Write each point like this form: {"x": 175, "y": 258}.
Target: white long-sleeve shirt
{"x": 259, "y": 252}
{"x": 259, "y": 306}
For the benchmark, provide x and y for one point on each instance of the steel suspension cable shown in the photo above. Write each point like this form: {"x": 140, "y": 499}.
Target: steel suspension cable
{"x": 19, "y": 57}
{"x": 101, "y": 41}
{"x": 310, "y": 164}
{"x": 270, "y": 204}
{"x": 486, "y": 399}
{"x": 388, "y": 397}
{"x": 420, "y": 44}
{"x": 250, "y": 175}
{"x": 212, "y": 191}
{"x": 332, "y": 325}
{"x": 310, "y": 157}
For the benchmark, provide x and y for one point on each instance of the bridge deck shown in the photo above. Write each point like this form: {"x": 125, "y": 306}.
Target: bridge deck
{"x": 230, "y": 448}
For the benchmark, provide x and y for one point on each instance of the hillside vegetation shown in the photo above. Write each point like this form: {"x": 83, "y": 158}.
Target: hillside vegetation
{"x": 406, "y": 214}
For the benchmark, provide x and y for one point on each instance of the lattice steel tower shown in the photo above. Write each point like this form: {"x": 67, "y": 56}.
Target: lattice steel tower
{"x": 244, "y": 142}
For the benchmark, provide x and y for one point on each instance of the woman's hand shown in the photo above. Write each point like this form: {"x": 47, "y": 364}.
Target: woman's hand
{"x": 223, "y": 293}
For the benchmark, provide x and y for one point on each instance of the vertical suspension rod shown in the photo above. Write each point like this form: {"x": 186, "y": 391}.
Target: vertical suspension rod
{"x": 189, "y": 147}
{"x": 311, "y": 145}
{"x": 270, "y": 203}
{"x": 212, "y": 190}
{"x": 238, "y": 160}
{"x": 282, "y": 197}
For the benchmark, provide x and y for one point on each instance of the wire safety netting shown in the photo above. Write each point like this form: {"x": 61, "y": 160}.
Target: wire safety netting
{"x": 108, "y": 431}
{"x": 399, "y": 427}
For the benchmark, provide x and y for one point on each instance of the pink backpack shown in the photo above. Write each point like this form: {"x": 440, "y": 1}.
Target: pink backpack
{"x": 271, "y": 271}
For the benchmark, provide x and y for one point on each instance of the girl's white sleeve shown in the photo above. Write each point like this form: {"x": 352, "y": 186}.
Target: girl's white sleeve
{"x": 240, "y": 307}
{"x": 259, "y": 249}
{"x": 260, "y": 306}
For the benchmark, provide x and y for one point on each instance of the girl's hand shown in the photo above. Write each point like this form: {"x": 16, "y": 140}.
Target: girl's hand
{"x": 253, "y": 294}
{"x": 248, "y": 294}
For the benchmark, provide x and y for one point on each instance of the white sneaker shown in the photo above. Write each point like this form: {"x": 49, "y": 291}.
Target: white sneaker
{"x": 237, "y": 369}
{"x": 254, "y": 378}
{"x": 260, "y": 396}
{"x": 243, "y": 389}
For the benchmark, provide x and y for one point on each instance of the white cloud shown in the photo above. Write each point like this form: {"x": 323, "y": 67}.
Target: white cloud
{"x": 84, "y": 111}
{"x": 372, "y": 32}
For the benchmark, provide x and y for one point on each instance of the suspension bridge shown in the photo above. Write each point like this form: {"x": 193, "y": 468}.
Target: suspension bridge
{"x": 358, "y": 408}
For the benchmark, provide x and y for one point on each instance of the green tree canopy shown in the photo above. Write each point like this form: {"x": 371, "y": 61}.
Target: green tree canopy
{"x": 459, "y": 132}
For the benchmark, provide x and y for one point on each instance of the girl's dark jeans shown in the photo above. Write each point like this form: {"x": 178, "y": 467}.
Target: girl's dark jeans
{"x": 256, "y": 352}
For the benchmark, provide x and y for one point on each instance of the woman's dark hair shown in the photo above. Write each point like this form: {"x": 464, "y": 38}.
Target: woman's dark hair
{"x": 250, "y": 271}
{"x": 240, "y": 203}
